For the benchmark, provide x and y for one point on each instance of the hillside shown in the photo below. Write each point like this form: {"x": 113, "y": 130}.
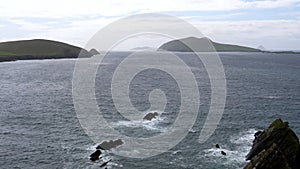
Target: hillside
{"x": 39, "y": 49}
{"x": 202, "y": 45}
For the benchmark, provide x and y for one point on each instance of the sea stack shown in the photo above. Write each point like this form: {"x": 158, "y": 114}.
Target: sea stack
{"x": 277, "y": 147}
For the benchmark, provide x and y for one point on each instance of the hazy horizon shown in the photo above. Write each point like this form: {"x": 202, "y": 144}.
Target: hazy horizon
{"x": 253, "y": 23}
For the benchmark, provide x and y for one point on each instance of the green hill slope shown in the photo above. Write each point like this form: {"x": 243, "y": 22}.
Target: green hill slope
{"x": 202, "y": 45}
{"x": 39, "y": 49}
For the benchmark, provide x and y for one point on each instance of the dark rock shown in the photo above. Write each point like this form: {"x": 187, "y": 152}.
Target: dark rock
{"x": 107, "y": 145}
{"x": 105, "y": 163}
{"x": 150, "y": 116}
{"x": 257, "y": 134}
{"x": 223, "y": 153}
{"x": 217, "y": 146}
{"x": 277, "y": 147}
{"x": 95, "y": 155}
{"x": 269, "y": 159}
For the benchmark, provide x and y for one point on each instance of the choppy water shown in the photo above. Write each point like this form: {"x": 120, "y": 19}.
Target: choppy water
{"x": 39, "y": 128}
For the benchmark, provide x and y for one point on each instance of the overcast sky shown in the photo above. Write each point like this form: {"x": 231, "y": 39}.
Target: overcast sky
{"x": 274, "y": 24}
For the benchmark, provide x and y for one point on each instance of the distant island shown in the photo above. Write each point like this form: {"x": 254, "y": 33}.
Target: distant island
{"x": 49, "y": 49}
{"x": 40, "y": 49}
{"x": 203, "y": 45}
{"x": 142, "y": 48}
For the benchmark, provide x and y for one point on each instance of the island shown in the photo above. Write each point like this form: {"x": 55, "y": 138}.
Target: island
{"x": 143, "y": 48}
{"x": 40, "y": 49}
{"x": 202, "y": 45}
{"x": 50, "y": 49}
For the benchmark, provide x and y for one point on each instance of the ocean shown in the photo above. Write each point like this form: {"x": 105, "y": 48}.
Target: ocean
{"x": 39, "y": 127}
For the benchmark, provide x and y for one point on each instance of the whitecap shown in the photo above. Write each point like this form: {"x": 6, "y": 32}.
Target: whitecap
{"x": 192, "y": 131}
{"x": 235, "y": 157}
{"x": 244, "y": 139}
{"x": 146, "y": 124}
{"x": 272, "y": 97}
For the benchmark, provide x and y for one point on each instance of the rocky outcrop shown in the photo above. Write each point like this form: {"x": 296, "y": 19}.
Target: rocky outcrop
{"x": 277, "y": 147}
{"x": 95, "y": 155}
{"x": 107, "y": 145}
{"x": 150, "y": 116}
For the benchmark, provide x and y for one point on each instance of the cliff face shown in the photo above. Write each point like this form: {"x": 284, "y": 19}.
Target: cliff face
{"x": 277, "y": 147}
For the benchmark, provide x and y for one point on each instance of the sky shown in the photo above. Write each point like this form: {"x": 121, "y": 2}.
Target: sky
{"x": 274, "y": 24}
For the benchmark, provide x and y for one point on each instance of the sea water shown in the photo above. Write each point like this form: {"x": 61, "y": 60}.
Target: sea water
{"x": 39, "y": 127}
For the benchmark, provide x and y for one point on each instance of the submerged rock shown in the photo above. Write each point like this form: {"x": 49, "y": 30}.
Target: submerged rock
{"x": 105, "y": 163}
{"x": 150, "y": 116}
{"x": 277, "y": 147}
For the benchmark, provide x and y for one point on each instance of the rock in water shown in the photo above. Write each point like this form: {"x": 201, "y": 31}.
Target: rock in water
{"x": 105, "y": 163}
{"x": 277, "y": 147}
{"x": 107, "y": 145}
{"x": 223, "y": 153}
{"x": 150, "y": 116}
{"x": 95, "y": 155}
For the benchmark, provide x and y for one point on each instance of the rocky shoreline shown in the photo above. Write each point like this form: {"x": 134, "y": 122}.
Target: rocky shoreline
{"x": 277, "y": 147}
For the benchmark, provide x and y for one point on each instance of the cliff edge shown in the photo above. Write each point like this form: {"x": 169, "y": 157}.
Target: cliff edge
{"x": 277, "y": 147}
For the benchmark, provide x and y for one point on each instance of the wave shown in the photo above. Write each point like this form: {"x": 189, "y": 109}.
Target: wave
{"x": 153, "y": 125}
{"x": 271, "y": 97}
{"x": 235, "y": 155}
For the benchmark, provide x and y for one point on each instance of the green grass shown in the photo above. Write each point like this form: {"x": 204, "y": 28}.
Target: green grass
{"x": 38, "y": 49}
{"x": 6, "y": 54}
